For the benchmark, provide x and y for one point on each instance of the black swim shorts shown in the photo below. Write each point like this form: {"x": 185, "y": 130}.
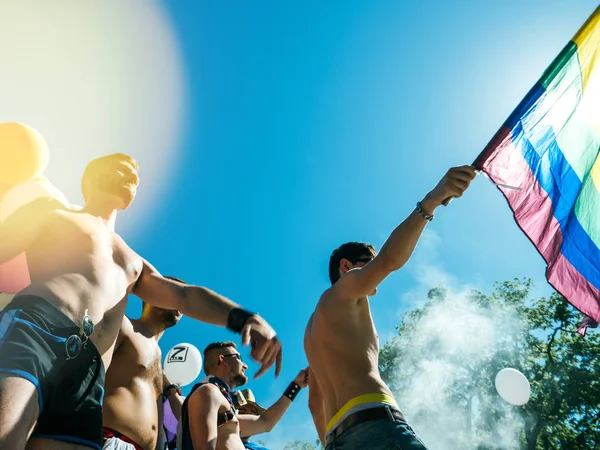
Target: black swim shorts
{"x": 33, "y": 335}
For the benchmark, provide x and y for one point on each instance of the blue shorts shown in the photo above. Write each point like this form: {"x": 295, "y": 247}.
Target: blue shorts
{"x": 33, "y": 335}
{"x": 380, "y": 434}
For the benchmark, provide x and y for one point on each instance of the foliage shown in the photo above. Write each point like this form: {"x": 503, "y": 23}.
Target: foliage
{"x": 301, "y": 444}
{"x": 537, "y": 337}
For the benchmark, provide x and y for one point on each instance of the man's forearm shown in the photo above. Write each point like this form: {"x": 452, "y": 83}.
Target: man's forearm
{"x": 206, "y": 305}
{"x": 273, "y": 415}
{"x": 401, "y": 244}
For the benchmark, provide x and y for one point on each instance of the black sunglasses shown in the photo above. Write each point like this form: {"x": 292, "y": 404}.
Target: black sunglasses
{"x": 235, "y": 355}
{"x": 76, "y": 342}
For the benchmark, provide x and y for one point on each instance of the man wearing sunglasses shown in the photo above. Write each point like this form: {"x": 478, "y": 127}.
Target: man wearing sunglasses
{"x": 57, "y": 336}
{"x": 351, "y": 405}
{"x": 135, "y": 381}
{"x": 209, "y": 417}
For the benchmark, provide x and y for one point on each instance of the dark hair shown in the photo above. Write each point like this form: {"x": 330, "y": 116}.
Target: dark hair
{"x": 168, "y": 277}
{"x": 98, "y": 165}
{"x": 208, "y": 364}
{"x": 214, "y": 345}
{"x": 350, "y": 251}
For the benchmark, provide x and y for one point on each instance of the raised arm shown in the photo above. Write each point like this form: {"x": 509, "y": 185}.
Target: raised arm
{"x": 316, "y": 406}
{"x": 207, "y": 306}
{"x": 251, "y": 425}
{"x": 396, "y": 251}
{"x": 203, "y": 411}
{"x": 194, "y": 301}
{"x": 21, "y": 228}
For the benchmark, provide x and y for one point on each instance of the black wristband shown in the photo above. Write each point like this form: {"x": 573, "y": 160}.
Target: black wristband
{"x": 237, "y": 319}
{"x": 292, "y": 391}
{"x": 167, "y": 391}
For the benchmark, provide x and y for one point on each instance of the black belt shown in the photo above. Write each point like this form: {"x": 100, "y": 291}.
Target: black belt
{"x": 366, "y": 415}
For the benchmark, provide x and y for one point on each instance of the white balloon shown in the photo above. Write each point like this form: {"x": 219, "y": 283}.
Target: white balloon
{"x": 513, "y": 386}
{"x": 183, "y": 364}
{"x": 24, "y": 193}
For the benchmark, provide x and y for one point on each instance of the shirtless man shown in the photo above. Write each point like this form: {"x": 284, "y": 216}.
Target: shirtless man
{"x": 351, "y": 405}
{"x": 209, "y": 419}
{"x": 135, "y": 381}
{"x": 58, "y": 334}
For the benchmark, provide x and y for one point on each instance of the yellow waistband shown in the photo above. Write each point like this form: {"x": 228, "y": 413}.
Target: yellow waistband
{"x": 357, "y": 401}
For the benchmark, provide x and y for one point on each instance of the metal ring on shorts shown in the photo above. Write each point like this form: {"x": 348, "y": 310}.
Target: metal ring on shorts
{"x": 74, "y": 343}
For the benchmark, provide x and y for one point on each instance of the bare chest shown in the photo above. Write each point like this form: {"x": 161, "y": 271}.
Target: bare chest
{"x": 140, "y": 358}
{"x": 84, "y": 241}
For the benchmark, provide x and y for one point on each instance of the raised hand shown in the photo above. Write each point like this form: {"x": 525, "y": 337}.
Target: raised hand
{"x": 266, "y": 348}
{"x": 302, "y": 378}
{"x": 452, "y": 185}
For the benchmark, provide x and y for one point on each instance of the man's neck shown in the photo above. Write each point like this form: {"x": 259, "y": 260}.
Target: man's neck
{"x": 149, "y": 327}
{"x": 229, "y": 381}
{"x": 108, "y": 215}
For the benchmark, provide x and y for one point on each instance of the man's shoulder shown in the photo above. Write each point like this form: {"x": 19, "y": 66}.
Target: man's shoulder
{"x": 332, "y": 297}
{"x": 205, "y": 391}
{"x": 43, "y": 208}
{"x": 206, "y": 387}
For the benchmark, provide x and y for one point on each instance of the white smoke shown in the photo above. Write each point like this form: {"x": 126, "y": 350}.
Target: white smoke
{"x": 455, "y": 339}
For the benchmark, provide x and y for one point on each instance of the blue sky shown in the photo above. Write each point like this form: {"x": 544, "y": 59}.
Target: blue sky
{"x": 309, "y": 124}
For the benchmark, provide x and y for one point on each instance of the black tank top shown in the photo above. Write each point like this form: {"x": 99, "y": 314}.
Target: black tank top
{"x": 222, "y": 419}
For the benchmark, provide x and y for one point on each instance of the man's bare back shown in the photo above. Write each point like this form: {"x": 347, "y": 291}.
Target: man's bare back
{"x": 342, "y": 346}
{"x": 134, "y": 381}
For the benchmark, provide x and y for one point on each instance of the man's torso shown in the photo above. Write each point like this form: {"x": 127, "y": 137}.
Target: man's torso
{"x": 228, "y": 434}
{"x": 77, "y": 263}
{"x": 133, "y": 384}
{"x": 342, "y": 348}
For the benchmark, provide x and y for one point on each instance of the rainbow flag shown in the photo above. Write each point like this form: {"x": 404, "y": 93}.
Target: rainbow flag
{"x": 545, "y": 160}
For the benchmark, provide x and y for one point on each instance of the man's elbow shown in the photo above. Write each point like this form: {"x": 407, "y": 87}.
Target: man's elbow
{"x": 267, "y": 425}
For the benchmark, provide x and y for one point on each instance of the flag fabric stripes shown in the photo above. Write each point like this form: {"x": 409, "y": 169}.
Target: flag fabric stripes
{"x": 549, "y": 148}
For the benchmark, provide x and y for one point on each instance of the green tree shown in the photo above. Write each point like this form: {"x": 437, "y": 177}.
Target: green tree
{"x": 443, "y": 362}
{"x": 302, "y": 444}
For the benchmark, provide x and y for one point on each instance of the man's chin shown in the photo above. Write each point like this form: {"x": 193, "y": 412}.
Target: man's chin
{"x": 127, "y": 201}
{"x": 170, "y": 321}
{"x": 241, "y": 379}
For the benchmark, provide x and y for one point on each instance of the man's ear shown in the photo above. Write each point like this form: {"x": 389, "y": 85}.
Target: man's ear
{"x": 345, "y": 265}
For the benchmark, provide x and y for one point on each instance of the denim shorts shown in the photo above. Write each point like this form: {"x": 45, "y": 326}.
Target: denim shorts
{"x": 378, "y": 435}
